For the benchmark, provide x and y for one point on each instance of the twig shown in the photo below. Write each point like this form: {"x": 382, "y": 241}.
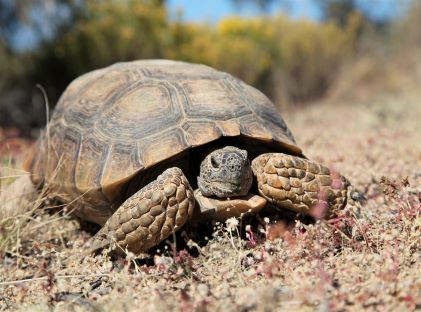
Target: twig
{"x": 12, "y": 176}
{"x": 44, "y": 278}
{"x": 47, "y": 127}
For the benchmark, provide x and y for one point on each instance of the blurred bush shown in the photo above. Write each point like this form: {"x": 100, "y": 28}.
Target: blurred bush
{"x": 97, "y": 34}
{"x": 311, "y": 56}
{"x": 305, "y": 56}
{"x": 387, "y": 62}
{"x": 103, "y": 33}
{"x": 110, "y": 31}
{"x": 245, "y": 48}
{"x": 16, "y": 107}
{"x": 292, "y": 61}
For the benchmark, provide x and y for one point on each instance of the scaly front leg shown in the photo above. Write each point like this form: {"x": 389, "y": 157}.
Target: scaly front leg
{"x": 149, "y": 216}
{"x": 300, "y": 185}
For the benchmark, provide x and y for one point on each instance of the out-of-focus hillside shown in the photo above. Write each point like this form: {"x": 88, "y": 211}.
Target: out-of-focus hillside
{"x": 387, "y": 63}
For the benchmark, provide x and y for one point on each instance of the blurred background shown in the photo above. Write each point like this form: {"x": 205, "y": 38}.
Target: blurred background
{"x": 295, "y": 51}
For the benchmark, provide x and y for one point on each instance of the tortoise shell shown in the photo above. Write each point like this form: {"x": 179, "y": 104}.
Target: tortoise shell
{"x": 111, "y": 124}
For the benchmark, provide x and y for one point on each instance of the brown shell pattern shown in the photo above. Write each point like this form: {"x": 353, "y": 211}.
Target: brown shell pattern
{"x": 111, "y": 123}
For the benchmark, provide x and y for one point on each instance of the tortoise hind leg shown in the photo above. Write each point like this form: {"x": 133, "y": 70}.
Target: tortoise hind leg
{"x": 299, "y": 184}
{"x": 148, "y": 216}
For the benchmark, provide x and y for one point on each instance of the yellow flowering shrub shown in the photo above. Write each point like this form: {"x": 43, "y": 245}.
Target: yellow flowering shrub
{"x": 287, "y": 59}
{"x": 112, "y": 31}
{"x": 310, "y": 56}
{"x": 293, "y": 60}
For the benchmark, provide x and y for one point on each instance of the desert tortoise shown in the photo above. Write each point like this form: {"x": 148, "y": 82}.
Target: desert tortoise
{"x": 128, "y": 144}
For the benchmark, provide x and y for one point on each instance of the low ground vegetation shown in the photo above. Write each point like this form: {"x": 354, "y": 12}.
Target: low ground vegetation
{"x": 368, "y": 258}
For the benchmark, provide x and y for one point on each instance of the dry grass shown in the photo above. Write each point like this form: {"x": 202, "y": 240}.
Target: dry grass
{"x": 367, "y": 259}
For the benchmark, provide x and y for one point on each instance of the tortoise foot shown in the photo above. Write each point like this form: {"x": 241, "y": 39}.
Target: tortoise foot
{"x": 148, "y": 216}
{"x": 300, "y": 185}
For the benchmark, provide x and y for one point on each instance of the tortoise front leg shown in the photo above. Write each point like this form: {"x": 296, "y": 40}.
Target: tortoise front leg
{"x": 299, "y": 184}
{"x": 149, "y": 216}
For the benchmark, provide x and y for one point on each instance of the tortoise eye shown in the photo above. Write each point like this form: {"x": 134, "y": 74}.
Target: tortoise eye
{"x": 214, "y": 163}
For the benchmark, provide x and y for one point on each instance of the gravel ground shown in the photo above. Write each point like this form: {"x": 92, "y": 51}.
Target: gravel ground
{"x": 369, "y": 258}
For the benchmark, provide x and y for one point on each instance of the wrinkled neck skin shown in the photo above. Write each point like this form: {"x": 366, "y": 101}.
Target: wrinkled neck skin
{"x": 225, "y": 172}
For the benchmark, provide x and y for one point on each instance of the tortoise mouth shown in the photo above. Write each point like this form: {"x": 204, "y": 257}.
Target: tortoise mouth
{"x": 219, "y": 182}
{"x": 227, "y": 189}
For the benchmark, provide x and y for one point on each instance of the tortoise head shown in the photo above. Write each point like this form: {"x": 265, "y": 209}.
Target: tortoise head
{"x": 225, "y": 172}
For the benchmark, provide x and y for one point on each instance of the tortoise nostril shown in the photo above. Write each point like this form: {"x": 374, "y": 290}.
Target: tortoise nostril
{"x": 214, "y": 163}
